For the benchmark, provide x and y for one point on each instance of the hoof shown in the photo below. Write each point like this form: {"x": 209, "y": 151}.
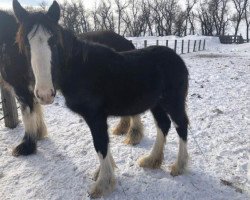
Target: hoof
{"x": 176, "y": 170}
{"x": 150, "y": 162}
{"x": 27, "y": 147}
{"x": 134, "y": 136}
{"x": 102, "y": 188}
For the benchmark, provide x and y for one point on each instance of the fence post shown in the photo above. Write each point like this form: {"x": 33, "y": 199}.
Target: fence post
{"x": 145, "y": 43}
{"x": 9, "y": 108}
{"x": 188, "y": 45}
{"x": 199, "y": 45}
{"x": 194, "y": 46}
{"x": 166, "y": 43}
{"x": 182, "y": 46}
{"x": 175, "y": 45}
{"x": 157, "y": 42}
{"x": 204, "y": 44}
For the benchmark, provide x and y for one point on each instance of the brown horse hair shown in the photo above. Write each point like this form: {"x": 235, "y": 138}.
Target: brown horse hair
{"x": 20, "y": 39}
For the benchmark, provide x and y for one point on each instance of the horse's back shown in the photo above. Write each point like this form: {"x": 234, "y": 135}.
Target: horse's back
{"x": 108, "y": 38}
{"x": 158, "y": 57}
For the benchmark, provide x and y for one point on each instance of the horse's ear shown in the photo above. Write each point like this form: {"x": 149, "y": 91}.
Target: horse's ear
{"x": 20, "y": 13}
{"x": 54, "y": 11}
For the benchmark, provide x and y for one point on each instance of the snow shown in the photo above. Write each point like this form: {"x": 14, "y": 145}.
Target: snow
{"x": 218, "y": 108}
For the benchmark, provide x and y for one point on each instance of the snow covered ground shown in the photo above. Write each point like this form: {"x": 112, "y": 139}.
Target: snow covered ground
{"x": 218, "y": 108}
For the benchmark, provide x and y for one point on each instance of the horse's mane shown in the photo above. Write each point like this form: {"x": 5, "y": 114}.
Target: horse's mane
{"x": 8, "y": 27}
{"x": 73, "y": 45}
{"x": 109, "y": 38}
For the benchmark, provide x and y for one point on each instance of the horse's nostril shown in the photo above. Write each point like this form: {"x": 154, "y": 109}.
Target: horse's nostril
{"x": 53, "y": 94}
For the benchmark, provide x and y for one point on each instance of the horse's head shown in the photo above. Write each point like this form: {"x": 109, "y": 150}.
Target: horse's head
{"x": 39, "y": 39}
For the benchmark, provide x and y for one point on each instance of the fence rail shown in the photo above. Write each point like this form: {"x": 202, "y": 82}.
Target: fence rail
{"x": 230, "y": 39}
{"x": 179, "y": 46}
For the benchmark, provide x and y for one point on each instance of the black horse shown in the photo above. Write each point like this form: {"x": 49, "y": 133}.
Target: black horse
{"x": 19, "y": 79}
{"x": 98, "y": 82}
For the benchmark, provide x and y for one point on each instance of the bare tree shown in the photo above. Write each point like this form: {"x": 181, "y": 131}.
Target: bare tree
{"x": 96, "y": 21}
{"x": 219, "y": 9}
{"x": 147, "y": 14}
{"x": 189, "y": 6}
{"x": 247, "y": 19}
{"x": 191, "y": 19}
{"x": 121, "y": 6}
{"x": 164, "y": 15}
{"x": 75, "y": 17}
{"x": 205, "y": 17}
{"x": 240, "y": 6}
{"x": 103, "y": 16}
{"x": 134, "y": 18}
{"x": 43, "y": 5}
{"x": 180, "y": 24}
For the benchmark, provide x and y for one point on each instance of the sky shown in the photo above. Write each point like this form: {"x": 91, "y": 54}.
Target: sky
{"x": 6, "y": 4}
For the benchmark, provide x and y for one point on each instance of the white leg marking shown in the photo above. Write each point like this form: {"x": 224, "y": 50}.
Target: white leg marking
{"x": 175, "y": 125}
{"x": 105, "y": 183}
{"x": 182, "y": 160}
{"x": 97, "y": 172}
{"x": 33, "y": 122}
{"x": 155, "y": 158}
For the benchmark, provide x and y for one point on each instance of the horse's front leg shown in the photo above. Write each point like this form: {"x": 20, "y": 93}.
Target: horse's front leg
{"x": 105, "y": 182}
{"x": 35, "y": 128}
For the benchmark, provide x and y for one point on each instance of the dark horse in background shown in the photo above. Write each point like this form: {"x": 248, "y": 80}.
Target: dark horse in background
{"x": 98, "y": 82}
{"x": 20, "y": 79}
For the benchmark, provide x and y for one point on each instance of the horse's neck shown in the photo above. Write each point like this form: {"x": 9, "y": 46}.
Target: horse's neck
{"x": 73, "y": 48}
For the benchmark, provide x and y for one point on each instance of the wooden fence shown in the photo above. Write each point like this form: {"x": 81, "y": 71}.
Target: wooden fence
{"x": 179, "y": 46}
{"x": 230, "y": 39}
{"x": 8, "y": 108}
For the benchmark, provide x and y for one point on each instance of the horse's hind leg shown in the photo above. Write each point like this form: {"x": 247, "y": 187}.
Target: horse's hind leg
{"x": 179, "y": 117}
{"x": 135, "y": 132}
{"x": 35, "y": 129}
{"x": 122, "y": 127}
{"x": 162, "y": 121}
{"x": 133, "y": 127}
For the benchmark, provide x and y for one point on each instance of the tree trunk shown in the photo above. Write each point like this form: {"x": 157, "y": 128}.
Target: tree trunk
{"x": 236, "y": 30}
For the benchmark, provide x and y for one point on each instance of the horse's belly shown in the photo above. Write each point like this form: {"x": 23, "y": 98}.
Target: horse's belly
{"x": 127, "y": 107}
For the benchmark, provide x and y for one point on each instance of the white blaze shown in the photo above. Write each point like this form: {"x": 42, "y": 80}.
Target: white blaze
{"x": 41, "y": 60}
